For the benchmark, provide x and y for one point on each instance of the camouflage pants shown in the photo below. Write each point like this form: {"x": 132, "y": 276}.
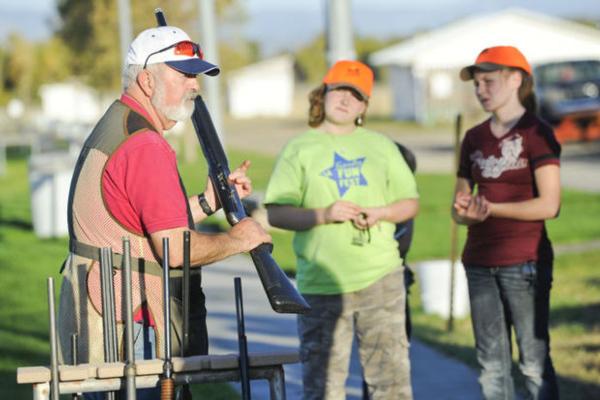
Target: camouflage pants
{"x": 376, "y": 315}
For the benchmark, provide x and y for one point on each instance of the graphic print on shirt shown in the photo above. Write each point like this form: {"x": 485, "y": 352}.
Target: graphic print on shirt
{"x": 492, "y": 166}
{"x": 345, "y": 173}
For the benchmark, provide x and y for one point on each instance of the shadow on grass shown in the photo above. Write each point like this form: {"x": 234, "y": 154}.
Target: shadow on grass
{"x": 22, "y": 331}
{"x": 586, "y": 315}
{"x": 9, "y": 389}
{"x": 575, "y": 389}
{"x": 16, "y": 223}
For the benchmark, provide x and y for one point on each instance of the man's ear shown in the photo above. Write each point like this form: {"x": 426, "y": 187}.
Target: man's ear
{"x": 145, "y": 81}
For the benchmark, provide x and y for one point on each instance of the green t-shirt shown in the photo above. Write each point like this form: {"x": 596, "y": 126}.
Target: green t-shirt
{"x": 314, "y": 170}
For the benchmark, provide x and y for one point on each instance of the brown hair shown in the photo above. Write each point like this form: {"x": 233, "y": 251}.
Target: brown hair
{"x": 526, "y": 92}
{"x": 316, "y": 110}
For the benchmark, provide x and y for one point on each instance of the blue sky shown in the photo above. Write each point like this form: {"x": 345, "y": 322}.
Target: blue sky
{"x": 287, "y": 24}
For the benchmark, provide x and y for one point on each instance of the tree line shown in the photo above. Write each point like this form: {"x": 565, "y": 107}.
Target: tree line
{"x": 85, "y": 46}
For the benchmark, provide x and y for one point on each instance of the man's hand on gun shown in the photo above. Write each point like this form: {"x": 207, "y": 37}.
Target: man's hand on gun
{"x": 249, "y": 234}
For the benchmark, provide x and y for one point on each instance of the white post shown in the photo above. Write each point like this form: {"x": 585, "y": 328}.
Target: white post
{"x": 125, "y": 30}
{"x": 2, "y": 158}
{"x": 210, "y": 47}
{"x": 340, "y": 40}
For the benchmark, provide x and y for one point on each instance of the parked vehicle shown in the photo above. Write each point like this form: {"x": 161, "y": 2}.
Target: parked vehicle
{"x": 569, "y": 97}
{"x": 568, "y": 87}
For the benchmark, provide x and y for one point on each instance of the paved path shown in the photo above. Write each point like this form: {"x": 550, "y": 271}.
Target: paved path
{"x": 434, "y": 376}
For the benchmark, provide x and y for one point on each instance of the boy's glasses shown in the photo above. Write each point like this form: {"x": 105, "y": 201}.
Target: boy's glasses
{"x": 185, "y": 48}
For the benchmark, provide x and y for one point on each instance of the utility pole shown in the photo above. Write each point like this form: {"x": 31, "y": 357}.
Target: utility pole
{"x": 125, "y": 30}
{"x": 339, "y": 32}
{"x": 210, "y": 47}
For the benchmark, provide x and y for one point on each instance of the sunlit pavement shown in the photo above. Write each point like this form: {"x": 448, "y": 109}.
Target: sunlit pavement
{"x": 434, "y": 376}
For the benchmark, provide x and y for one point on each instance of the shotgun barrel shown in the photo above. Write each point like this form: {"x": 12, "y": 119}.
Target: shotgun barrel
{"x": 183, "y": 391}
{"x": 186, "y": 294}
{"x": 242, "y": 341}
{"x": 160, "y": 17}
{"x": 74, "y": 358}
{"x": 54, "y": 384}
{"x": 166, "y": 384}
{"x": 106, "y": 283}
{"x": 130, "y": 369}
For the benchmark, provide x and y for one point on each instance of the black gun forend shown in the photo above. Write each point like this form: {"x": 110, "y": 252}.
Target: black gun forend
{"x": 282, "y": 295}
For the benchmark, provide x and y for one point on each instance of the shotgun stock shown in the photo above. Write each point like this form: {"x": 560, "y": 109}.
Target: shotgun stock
{"x": 282, "y": 295}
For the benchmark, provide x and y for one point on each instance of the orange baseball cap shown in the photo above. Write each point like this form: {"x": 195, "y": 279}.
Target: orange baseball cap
{"x": 353, "y": 74}
{"x": 494, "y": 58}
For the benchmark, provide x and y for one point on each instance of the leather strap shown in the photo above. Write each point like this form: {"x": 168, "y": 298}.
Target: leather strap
{"x": 137, "y": 264}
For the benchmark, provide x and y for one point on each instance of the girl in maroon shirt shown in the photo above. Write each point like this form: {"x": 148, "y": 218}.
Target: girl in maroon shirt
{"x": 508, "y": 184}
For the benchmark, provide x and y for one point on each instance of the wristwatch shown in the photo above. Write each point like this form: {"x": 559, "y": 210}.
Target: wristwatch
{"x": 204, "y": 204}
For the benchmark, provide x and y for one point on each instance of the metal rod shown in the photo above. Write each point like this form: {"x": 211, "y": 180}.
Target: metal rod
{"x": 167, "y": 381}
{"x": 183, "y": 391}
{"x": 75, "y": 396}
{"x": 104, "y": 294}
{"x": 186, "y": 293}
{"x": 242, "y": 342}
{"x": 454, "y": 229}
{"x": 105, "y": 282}
{"x": 130, "y": 369}
{"x": 112, "y": 316}
{"x": 53, "y": 342}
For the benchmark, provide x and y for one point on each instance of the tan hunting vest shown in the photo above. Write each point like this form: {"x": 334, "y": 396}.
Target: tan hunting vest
{"x": 91, "y": 227}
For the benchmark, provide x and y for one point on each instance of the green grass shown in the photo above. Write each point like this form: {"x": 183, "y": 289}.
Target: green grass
{"x": 26, "y": 261}
{"x": 574, "y": 327}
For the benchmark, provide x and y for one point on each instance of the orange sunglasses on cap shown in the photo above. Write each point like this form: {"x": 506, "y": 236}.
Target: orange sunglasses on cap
{"x": 185, "y": 48}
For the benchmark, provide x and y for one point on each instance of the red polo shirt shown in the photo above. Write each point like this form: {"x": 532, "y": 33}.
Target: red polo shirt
{"x": 140, "y": 183}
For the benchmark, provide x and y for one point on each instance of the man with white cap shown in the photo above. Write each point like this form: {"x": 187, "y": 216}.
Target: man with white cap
{"x": 126, "y": 184}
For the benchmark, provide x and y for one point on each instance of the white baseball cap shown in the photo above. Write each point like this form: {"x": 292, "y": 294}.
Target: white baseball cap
{"x": 172, "y": 46}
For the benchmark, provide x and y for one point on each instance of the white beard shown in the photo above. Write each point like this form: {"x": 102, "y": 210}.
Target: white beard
{"x": 180, "y": 112}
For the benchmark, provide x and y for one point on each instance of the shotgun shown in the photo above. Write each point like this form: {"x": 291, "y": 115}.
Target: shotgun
{"x": 282, "y": 295}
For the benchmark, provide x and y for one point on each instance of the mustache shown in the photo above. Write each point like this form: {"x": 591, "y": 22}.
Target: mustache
{"x": 191, "y": 95}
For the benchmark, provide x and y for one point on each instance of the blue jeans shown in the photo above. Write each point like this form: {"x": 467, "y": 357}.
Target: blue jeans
{"x": 144, "y": 347}
{"x": 512, "y": 296}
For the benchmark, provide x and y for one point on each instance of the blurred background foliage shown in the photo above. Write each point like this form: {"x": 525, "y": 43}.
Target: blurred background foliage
{"x": 85, "y": 46}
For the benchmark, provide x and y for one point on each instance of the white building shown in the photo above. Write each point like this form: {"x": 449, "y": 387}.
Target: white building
{"x": 424, "y": 69}
{"x": 264, "y": 89}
